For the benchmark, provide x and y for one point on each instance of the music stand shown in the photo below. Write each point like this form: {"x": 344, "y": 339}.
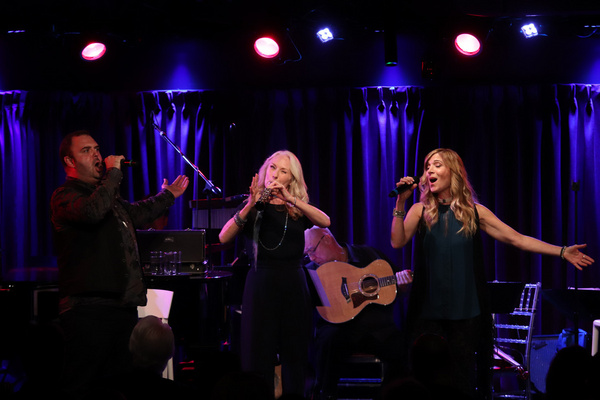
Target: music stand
{"x": 575, "y": 303}
{"x": 504, "y": 296}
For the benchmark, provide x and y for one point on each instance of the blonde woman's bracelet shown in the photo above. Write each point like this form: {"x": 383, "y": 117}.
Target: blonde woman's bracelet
{"x": 562, "y": 252}
{"x": 238, "y": 220}
{"x": 398, "y": 213}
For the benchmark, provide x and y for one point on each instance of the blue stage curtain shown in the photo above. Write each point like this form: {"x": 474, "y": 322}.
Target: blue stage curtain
{"x": 523, "y": 147}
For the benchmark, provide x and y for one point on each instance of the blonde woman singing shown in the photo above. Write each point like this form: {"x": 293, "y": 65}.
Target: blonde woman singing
{"x": 276, "y": 307}
{"x": 449, "y": 294}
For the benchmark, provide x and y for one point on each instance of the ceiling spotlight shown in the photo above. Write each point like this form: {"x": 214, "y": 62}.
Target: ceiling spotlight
{"x": 93, "y": 51}
{"x": 266, "y": 47}
{"x": 277, "y": 46}
{"x": 529, "y": 30}
{"x": 467, "y": 44}
{"x": 325, "y": 35}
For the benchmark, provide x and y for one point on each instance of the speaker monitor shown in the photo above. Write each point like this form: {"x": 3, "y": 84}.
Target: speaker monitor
{"x": 543, "y": 350}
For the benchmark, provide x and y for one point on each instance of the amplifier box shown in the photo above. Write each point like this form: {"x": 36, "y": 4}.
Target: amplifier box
{"x": 191, "y": 243}
{"x": 543, "y": 350}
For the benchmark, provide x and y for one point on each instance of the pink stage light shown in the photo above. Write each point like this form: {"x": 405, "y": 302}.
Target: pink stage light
{"x": 266, "y": 47}
{"x": 467, "y": 44}
{"x": 93, "y": 51}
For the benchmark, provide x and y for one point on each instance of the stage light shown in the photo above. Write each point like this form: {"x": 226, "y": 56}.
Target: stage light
{"x": 325, "y": 35}
{"x": 93, "y": 51}
{"x": 467, "y": 44}
{"x": 277, "y": 46}
{"x": 529, "y": 30}
{"x": 266, "y": 47}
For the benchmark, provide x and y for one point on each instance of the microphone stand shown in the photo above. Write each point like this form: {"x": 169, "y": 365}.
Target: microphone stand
{"x": 209, "y": 190}
{"x": 575, "y": 188}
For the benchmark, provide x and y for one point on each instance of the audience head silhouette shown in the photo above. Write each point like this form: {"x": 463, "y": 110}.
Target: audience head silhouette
{"x": 569, "y": 375}
{"x": 151, "y": 344}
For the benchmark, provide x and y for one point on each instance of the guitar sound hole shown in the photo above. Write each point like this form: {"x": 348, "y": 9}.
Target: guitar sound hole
{"x": 369, "y": 285}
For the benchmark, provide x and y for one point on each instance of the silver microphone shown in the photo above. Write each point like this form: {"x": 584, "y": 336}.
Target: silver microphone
{"x": 260, "y": 204}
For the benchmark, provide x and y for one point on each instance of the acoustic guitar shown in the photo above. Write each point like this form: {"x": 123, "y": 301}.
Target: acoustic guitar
{"x": 350, "y": 289}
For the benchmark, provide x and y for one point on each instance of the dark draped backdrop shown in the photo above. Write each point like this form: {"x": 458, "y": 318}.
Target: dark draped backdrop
{"x": 532, "y": 154}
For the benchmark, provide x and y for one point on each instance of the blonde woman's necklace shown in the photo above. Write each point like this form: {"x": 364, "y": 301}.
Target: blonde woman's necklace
{"x": 287, "y": 216}
{"x": 445, "y": 201}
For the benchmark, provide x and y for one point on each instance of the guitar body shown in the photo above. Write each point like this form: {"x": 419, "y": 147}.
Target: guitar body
{"x": 350, "y": 289}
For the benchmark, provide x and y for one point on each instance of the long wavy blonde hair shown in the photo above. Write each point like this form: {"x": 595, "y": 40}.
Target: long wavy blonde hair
{"x": 297, "y": 186}
{"x": 463, "y": 196}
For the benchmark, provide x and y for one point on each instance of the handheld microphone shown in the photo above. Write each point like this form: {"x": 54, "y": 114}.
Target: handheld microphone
{"x": 260, "y": 203}
{"x": 403, "y": 188}
{"x": 128, "y": 163}
{"x": 124, "y": 163}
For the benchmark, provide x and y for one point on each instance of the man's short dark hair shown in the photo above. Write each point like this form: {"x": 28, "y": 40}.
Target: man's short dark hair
{"x": 65, "y": 145}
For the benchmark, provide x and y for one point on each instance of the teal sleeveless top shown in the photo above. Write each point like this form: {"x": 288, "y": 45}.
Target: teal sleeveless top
{"x": 449, "y": 262}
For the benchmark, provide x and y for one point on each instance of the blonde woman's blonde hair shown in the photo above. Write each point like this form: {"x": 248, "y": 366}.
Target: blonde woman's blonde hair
{"x": 296, "y": 187}
{"x": 463, "y": 196}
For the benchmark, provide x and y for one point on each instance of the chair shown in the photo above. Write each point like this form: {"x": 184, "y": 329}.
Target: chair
{"x": 595, "y": 336}
{"x": 512, "y": 345}
{"x": 159, "y": 305}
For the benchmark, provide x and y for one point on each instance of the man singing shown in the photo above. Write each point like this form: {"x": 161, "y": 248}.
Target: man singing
{"x": 100, "y": 275}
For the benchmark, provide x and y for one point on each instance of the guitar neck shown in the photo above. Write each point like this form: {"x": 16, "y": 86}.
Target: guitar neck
{"x": 387, "y": 280}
